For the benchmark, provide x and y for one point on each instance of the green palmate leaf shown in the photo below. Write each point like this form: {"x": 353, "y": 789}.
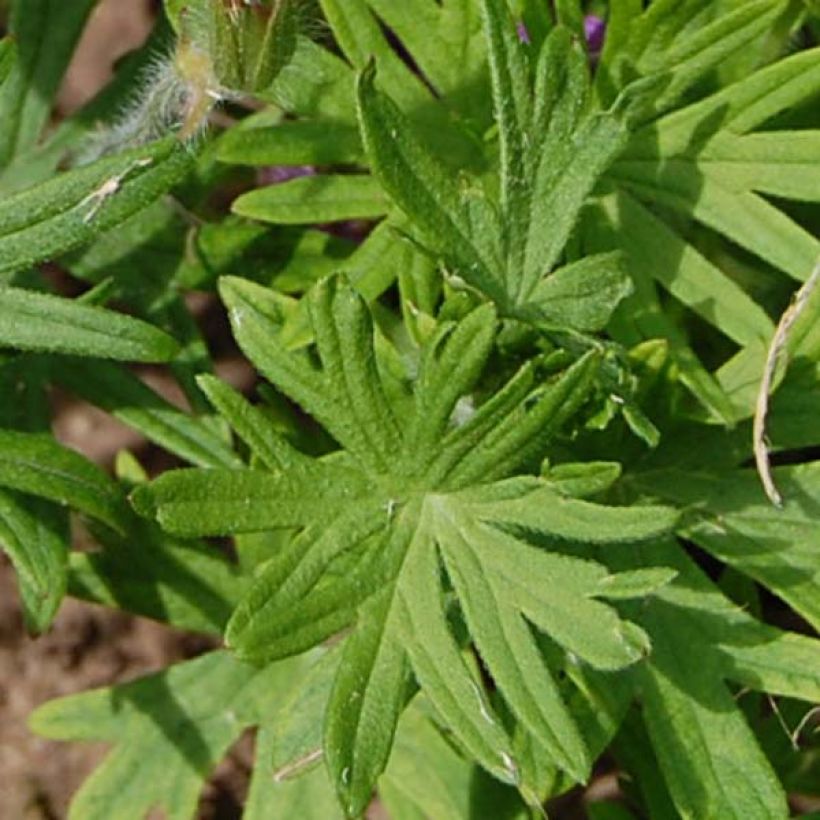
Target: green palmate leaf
{"x": 698, "y": 731}
{"x": 35, "y": 537}
{"x": 237, "y": 498}
{"x": 45, "y": 37}
{"x": 512, "y": 100}
{"x": 552, "y": 153}
{"x": 251, "y": 425}
{"x": 620, "y": 221}
{"x": 296, "y": 739}
{"x": 582, "y": 295}
{"x": 36, "y": 464}
{"x": 314, "y": 199}
{"x": 182, "y": 583}
{"x": 413, "y": 484}
{"x": 360, "y": 27}
{"x": 580, "y": 480}
{"x": 702, "y": 163}
{"x": 778, "y": 548}
{"x": 375, "y": 521}
{"x": 458, "y": 220}
{"x": 73, "y": 208}
{"x": 309, "y": 796}
{"x": 688, "y": 40}
{"x": 41, "y": 322}
{"x": 426, "y": 777}
{"x": 542, "y": 510}
{"x": 360, "y": 36}
{"x": 169, "y": 731}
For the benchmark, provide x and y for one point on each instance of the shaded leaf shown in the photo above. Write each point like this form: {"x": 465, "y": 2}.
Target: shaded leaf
{"x": 35, "y": 539}
{"x": 169, "y": 731}
{"x": 38, "y": 465}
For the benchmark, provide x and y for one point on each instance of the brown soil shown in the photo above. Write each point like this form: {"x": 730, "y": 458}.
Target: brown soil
{"x": 87, "y": 647}
{"x": 115, "y": 28}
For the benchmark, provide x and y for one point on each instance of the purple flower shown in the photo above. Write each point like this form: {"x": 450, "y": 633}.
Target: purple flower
{"x": 595, "y": 31}
{"x": 275, "y": 174}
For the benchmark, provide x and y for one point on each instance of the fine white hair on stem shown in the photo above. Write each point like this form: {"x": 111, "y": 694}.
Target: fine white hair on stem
{"x": 179, "y": 90}
{"x": 157, "y": 107}
{"x": 776, "y": 350}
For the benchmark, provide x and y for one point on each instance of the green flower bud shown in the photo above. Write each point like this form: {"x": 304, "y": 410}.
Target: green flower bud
{"x": 252, "y": 40}
{"x": 248, "y": 42}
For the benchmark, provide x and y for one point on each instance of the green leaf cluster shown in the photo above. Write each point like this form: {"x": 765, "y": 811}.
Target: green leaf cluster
{"x": 486, "y": 519}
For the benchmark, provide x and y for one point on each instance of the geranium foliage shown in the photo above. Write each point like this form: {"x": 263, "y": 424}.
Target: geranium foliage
{"x": 511, "y": 274}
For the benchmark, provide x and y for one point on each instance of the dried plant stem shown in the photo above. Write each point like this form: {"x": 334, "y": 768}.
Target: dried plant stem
{"x": 296, "y": 767}
{"x": 776, "y": 350}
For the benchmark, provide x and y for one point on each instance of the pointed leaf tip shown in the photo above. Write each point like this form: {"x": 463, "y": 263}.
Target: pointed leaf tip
{"x": 636, "y": 641}
{"x": 637, "y": 584}
{"x": 142, "y": 501}
{"x": 367, "y": 76}
{"x": 42, "y": 322}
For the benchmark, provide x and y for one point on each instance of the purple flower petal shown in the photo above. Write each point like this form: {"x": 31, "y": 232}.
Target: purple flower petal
{"x": 274, "y": 174}
{"x": 595, "y": 31}
{"x": 523, "y": 34}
